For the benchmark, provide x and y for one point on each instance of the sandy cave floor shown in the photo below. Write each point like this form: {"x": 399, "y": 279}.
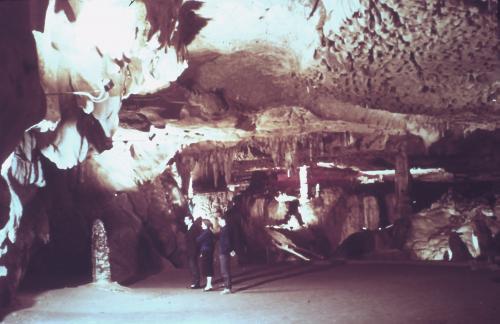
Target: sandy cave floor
{"x": 284, "y": 293}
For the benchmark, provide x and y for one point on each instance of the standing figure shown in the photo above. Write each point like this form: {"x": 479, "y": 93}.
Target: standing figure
{"x": 226, "y": 251}
{"x": 206, "y": 242}
{"x": 192, "y": 250}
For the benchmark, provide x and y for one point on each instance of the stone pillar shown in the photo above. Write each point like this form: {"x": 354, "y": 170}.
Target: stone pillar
{"x": 190, "y": 187}
{"x": 101, "y": 269}
{"x": 371, "y": 213}
{"x": 402, "y": 182}
{"x": 304, "y": 186}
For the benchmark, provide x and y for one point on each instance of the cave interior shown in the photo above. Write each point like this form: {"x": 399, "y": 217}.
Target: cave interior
{"x": 322, "y": 130}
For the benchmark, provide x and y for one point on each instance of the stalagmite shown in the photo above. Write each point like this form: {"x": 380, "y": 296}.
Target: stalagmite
{"x": 371, "y": 213}
{"x": 304, "y": 189}
{"x": 101, "y": 269}
{"x": 190, "y": 188}
{"x": 402, "y": 182}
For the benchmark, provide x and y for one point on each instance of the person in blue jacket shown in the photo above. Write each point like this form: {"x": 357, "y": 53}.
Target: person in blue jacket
{"x": 207, "y": 242}
{"x": 226, "y": 251}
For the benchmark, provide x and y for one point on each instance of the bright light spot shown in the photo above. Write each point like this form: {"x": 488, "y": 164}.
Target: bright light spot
{"x": 292, "y": 224}
{"x": 116, "y": 28}
{"x": 283, "y": 197}
{"x": 3, "y": 250}
{"x": 429, "y": 134}
{"x": 69, "y": 147}
{"x": 379, "y": 172}
{"x": 15, "y": 207}
{"x": 284, "y": 24}
{"x": 325, "y": 164}
{"x": 207, "y": 205}
{"x": 330, "y": 165}
{"x": 317, "y": 190}
{"x": 450, "y": 254}
{"x": 307, "y": 212}
{"x": 175, "y": 174}
{"x": 488, "y": 212}
{"x": 366, "y": 180}
{"x": 373, "y": 176}
{"x": 133, "y": 159}
{"x": 304, "y": 188}
{"x": 3, "y": 271}
{"x": 45, "y": 126}
{"x": 190, "y": 187}
{"x": 109, "y": 25}
{"x": 475, "y": 244}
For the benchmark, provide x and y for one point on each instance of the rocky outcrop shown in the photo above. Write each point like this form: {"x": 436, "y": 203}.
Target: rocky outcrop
{"x": 316, "y": 228}
{"x": 433, "y": 230}
{"x": 83, "y": 83}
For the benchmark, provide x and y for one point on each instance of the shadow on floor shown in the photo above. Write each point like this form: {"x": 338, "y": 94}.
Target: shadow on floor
{"x": 33, "y": 285}
{"x": 17, "y": 304}
{"x": 279, "y": 274}
{"x": 260, "y": 271}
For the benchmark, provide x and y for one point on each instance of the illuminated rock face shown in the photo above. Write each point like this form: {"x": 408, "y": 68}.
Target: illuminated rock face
{"x": 87, "y": 66}
{"x": 314, "y": 229}
{"x": 109, "y": 62}
{"x": 431, "y": 229}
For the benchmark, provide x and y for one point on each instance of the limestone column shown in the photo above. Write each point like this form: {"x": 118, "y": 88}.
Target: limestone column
{"x": 304, "y": 186}
{"x": 402, "y": 182}
{"x": 101, "y": 269}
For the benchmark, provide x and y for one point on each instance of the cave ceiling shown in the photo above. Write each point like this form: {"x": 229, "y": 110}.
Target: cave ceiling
{"x": 347, "y": 81}
{"x": 279, "y": 83}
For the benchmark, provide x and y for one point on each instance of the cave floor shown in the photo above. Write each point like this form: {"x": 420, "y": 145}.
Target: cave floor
{"x": 284, "y": 293}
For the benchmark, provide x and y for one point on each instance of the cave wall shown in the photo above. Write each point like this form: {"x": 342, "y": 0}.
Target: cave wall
{"x": 473, "y": 219}
{"x": 349, "y": 223}
{"x": 319, "y": 225}
{"x": 141, "y": 225}
{"x": 22, "y": 100}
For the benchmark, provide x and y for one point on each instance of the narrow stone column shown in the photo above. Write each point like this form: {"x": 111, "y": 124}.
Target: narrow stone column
{"x": 371, "y": 213}
{"x": 402, "y": 182}
{"x": 304, "y": 186}
{"x": 101, "y": 269}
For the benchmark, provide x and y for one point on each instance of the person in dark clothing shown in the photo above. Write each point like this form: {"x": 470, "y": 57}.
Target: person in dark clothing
{"x": 192, "y": 250}
{"x": 226, "y": 251}
{"x": 207, "y": 242}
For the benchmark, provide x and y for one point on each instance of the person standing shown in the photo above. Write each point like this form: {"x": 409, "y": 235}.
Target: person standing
{"x": 226, "y": 251}
{"x": 192, "y": 250}
{"x": 206, "y": 242}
